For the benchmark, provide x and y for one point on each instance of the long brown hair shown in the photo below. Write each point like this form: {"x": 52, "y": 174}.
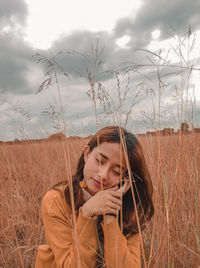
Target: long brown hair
{"x": 140, "y": 178}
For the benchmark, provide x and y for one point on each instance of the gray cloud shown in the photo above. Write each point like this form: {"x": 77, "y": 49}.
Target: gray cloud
{"x": 84, "y": 51}
{"x": 12, "y": 12}
{"x": 83, "y": 46}
{"x": 153, "y": 14}
{"x": 16, "y": 60}
{"x": 15, "y": 53}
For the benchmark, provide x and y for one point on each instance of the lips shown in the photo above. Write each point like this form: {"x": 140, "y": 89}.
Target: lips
{"x": 97, "y": 183}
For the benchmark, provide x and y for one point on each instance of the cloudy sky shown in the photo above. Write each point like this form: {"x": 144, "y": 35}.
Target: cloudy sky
{"x": 139, "y": 60}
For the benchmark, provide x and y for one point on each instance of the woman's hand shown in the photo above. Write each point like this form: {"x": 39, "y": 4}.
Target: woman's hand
{"x": 123, "y": 189}
{"x": 104, "y": 202}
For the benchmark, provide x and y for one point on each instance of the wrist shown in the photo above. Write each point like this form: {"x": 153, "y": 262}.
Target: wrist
{"x": 111, "y": 214}
{"x": 108, "y": 218}
{"x": 85, "y": 212}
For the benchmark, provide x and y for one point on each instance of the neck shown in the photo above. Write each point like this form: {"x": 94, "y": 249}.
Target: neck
{"x": 86, "y": 195}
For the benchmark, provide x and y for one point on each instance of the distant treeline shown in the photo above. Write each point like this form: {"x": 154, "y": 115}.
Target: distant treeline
{"x": 185, "y": 128}
{"x": 54, "y": 137}
{"x": 61, "y": 136}
{"x": 170, "y": 131}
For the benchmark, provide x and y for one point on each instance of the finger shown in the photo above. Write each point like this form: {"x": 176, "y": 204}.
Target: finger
{"x": 111, "y": 208}
{"x": 114, "y": 188}
{"x": 113, "y": 211}
{"x": 123, "y": 188}
{"x": 112, "y": 205}
{"x": 116, "y": 206}
{"x": 116, "y": 201}
{"x": 115, "y": 194}
{"x": 126, "y": 186}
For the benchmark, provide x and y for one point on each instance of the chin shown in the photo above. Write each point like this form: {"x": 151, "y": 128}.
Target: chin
{"x": 91, "y": 190}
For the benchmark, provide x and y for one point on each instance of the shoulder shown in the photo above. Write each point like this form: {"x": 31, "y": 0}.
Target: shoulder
{"x": 54, "y": 201}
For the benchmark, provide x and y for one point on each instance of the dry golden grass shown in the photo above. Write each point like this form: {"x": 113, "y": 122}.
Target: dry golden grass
{"x": 29, "y": 170}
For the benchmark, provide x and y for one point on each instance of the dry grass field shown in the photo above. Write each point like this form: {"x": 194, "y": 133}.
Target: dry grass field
{"x": 172, "y": 239}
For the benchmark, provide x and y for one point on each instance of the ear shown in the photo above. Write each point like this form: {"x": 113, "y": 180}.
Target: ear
{"x": 86, "y": 152}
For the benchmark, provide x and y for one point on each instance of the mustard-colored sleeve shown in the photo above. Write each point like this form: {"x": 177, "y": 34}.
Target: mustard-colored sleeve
{"x": 120, "y": 252}
{"x": 61, "y": 237}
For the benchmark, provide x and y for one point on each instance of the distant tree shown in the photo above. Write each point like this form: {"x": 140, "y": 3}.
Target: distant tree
{"x": 185, "y": 127}
{"x": 167, "y": 131}
{"x": 196, "y": 130}
{"x": 57, "y": 136}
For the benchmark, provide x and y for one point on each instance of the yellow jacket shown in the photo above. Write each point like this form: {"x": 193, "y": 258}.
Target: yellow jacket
{"x": 63, "y": 251}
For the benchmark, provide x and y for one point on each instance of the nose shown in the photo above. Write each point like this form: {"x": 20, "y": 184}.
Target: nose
{"x": 103, "y": 174}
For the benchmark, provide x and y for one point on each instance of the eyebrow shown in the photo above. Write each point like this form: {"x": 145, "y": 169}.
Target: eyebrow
{"x": 104, "y": 156}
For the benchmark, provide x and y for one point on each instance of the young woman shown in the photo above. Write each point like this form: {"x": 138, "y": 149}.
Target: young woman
{"x": 112, "y": 197}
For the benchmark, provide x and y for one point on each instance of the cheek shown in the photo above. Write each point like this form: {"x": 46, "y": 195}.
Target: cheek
{"x": 90, "y": 167}
{"x": 114, "y": 181}
{"x": 86, "y": 169}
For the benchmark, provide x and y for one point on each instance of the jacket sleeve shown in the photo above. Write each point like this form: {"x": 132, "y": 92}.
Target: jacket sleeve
{"x": 60, "y": 236}
{"x": 120, "y": 252}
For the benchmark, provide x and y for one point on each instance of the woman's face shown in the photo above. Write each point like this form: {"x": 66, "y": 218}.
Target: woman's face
{"x": 104, "y": 166}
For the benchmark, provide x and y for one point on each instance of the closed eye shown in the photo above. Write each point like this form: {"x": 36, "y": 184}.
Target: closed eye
{"x": 116, "y": 173}
{"x": 123, "y": 174}
{"x": 99, "y": 161}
